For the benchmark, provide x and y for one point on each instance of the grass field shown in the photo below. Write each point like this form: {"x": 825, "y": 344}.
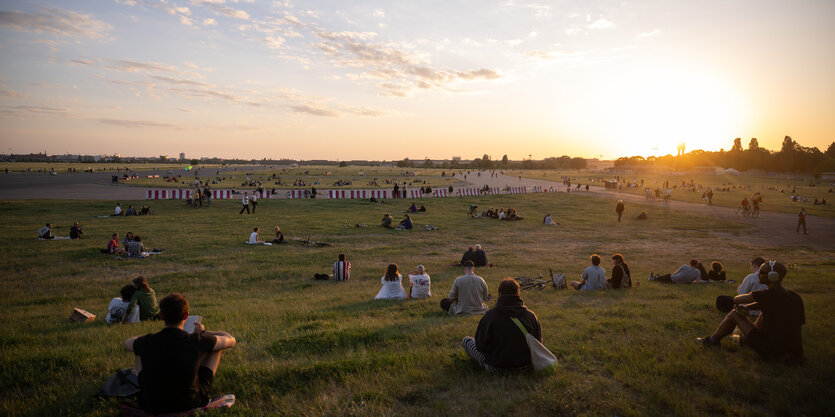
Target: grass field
{"x": 323, "y": 178}
{"x": 313, "y": 348}
{"x": 62, "y": 167}
{"x": 740, "y": 187}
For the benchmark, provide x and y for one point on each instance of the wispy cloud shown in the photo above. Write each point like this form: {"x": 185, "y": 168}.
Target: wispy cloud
{"x": 34, "y": 111}
{"x": 12, "y": 93}
{"x": 316, "y": 111}
{"x": 56, "y": 21}
{"x": 601, "y": 24}
{"x": 649, "y": 34}
{"x": 138, "y": 123}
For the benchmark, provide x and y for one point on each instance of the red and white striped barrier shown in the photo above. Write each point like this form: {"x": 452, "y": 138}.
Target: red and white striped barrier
{"x": 357, "y": 194}
{"x": 518, "y": 190}
{"x": 536, "y": 189}
{"x": 297, "y": 194}
{"x": 262, "y": 194}
{"x": 439, "y": 192}
{"x": 495, "y": 191}
{"x": 415, "y": 193}
{"x": 178, "y": 194}
{"x": 221, "y": 194}
{"x": 156, "y": 194}
{"x": 467, "y": 192}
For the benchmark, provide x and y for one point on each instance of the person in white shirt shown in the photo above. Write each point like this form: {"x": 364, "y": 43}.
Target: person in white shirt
{"x": 253, "y": 237}
{"x": 341, "y": 269}
{"x": 419, "y": 283}
{"x": 253, "y": 200}
{"x": 549, "y": 220}
{"x": 594, "y": 276}
{"x": 392, "y": 289}
{"x": 118, "y": 210}
{"x": 751, "y": 282}
{"x": 245, "y": 203}
{"x": 118, "y": 306}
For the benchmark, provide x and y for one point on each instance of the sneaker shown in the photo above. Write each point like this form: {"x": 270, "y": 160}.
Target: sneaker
{"x": 706, "y": 341}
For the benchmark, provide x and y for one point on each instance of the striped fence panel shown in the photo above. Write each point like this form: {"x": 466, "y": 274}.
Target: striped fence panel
{"x": 221, "y": 194}
{"x": 518, "y": 190}
{"x": 439, "y": 192}
{"x": 495, "y": 191}
{"x": 467, "y": 192}
{"x": 262, "y": 194}
{"x": 536, "y": 189}
{"x": 415, "y": 193}
{"x": 297, "y": 194}
{"x": 157, "y": 194}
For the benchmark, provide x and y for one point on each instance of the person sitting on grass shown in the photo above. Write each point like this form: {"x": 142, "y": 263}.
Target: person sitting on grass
{"x": 479, "y": 257}
{"x": 387, "y": 220}
{"x": 406, "y": 223}
{"x": 253, "y": 237}
{"x": 279, "y": 237}
{"x": 46, "y": 232}
{"x": 422, "y": 208}
{"x": 776, "y": 334}
{"x": 118, "y": 210}
{"x": 128, "y": 238}
{"x": 130, "y": 211}
{"x": 621, "y": 277}
{"x": 119, "y": 305}
{"x": 392, "y": 288}
{"x": 749, "y": 284}
{"x": 549, "y": 220}
{"x": 499, "y": 346}
{"x": 75, "y": 231}
{"x": 594, "y": 276}
{"x": 468, "y": 294}
{"x": 685, "y": 273}
{"x": 469, "y": 255}
{"x": 113, "y": 245}
{"x": 702, "y": 273}
{"x": 145, "y": 299}
{"x": 419, "y": 284}
{"x": 642, "y": 216}
{"x": 135, "y": 248}
{"x": 145, "y": 211}
{"x": 413, "y": 208}
{"x": 341, "y": 269}
{"x": 716, "y": 272}
{"x": 176, "y": 368}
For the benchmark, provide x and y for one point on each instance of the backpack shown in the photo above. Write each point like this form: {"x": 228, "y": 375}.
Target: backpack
{"x": 558, "y": 280}
{"x": 626, "y": 281}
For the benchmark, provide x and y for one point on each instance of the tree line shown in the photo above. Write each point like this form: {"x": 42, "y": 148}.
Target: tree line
{"x": 792, "y": 157}
{"x": 486, "y": 162}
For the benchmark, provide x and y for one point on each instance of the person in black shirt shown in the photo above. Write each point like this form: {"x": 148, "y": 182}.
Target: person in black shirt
{"x": 716, "y": 272}
{"x": 75, "y": 231}
{"x": 618, "y": 208}
{"x": 479, "y": 257}
{"x": 469, "y": 255}
{"x": 279, "y": 237}
{"x": 499, "y": 345}
{"x": 176, "y": 368}
{"x": 620, "y": 273}
{"x": 776, "y": 335}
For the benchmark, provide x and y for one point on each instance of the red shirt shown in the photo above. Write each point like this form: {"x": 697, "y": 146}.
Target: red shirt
{"x": 113, "y": 244}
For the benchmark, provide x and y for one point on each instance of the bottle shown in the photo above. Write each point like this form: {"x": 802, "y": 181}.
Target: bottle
{"x": 638, "y": 282}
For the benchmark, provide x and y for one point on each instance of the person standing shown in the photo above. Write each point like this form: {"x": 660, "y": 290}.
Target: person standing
{"x": 245, "y": 204}
{"x": 619, "y": 209}
{"x": 253, "y": 200}
{"x": 801, "y": 220}
{"x": 710, "y": 196}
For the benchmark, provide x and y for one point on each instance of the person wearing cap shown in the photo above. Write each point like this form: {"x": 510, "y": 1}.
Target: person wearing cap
{"x": 776, "y": 334}
{"x": 468, "y": 294}
{"x": 499, "y": 345}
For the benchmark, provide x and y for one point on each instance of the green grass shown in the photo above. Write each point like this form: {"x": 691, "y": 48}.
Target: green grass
{"x": 314, "y": 348}
{"x": 740, "y": 187}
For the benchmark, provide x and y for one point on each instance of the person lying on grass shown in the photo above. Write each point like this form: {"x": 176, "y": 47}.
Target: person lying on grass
{"x": 594, "y": 276}
{"x": 776, "y": 334}
{"x": 499, "y": 346}
{"x": 685, "y": 273}
{"x": 176, "y": 369}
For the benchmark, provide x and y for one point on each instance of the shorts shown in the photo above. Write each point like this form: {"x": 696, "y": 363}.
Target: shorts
{"x": 205, "y": 378}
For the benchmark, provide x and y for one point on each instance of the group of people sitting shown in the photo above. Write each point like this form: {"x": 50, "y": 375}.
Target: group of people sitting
{"x": 46, "y": 233}
{"x": 136, "y": 302}
{"x": 133, "y": 246}
{"x": 255, "y": 239}
{"x": 501, "y": 214}
{"x": 144, "y": 211}
{"x": 415, "y": 209}
{"x": 392, "y": 288}
{"x": 405, "y": 224}
{"x": 476, "y": 255}
{"x": 594, "y": 276}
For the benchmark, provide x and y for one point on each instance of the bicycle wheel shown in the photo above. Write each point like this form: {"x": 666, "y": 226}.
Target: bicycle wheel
{"x": 755, "y": 214}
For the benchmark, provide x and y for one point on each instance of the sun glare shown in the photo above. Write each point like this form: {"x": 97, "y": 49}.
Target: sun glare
{"x": 650, "y": 113}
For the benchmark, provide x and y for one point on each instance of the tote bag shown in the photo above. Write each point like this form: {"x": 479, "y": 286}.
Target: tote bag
{"x": 542, "y": 359}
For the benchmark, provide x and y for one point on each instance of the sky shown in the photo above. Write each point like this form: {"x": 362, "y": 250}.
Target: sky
{"x": 385, "y": 80}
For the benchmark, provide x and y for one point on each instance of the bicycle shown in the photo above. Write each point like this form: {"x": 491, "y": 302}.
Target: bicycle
{"x": 755, "y": 212}
{"x": 526, "y": 283}
{"x": 744, "y": 211}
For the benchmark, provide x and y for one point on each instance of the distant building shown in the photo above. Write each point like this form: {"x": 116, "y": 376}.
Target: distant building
{"x": 182, "y": 156}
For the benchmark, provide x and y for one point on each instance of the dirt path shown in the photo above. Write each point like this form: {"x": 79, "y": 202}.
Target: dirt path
{"x": 771, "y": 228}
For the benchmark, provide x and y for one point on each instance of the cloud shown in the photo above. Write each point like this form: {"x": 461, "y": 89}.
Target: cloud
{"x": 209, "y": 22}
{"x": 136, "y": 66}
{"x": 80, "y": 61}
{"x": 560, "y": 55}
{"x": 649, "y": 34}
{"x": 12, "y": 93}
{"x": 33, "y": 111}
{"x": 316, "y": 111}
{"x": 601, "y": 24}
{"x": 404, "y": 70}
{"x": 274, "y": 42}
{"x": 216, "y": 6}
{"x": 573, "y": 31}
{"x": 179, "y": 81}
{"x": 56, "y": 21}
{"x": 137, "y": 123}
{"x": 378, "y": 13}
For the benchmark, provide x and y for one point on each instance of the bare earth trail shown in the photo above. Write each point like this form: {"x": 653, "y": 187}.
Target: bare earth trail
{"x": 771, "y": 228}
